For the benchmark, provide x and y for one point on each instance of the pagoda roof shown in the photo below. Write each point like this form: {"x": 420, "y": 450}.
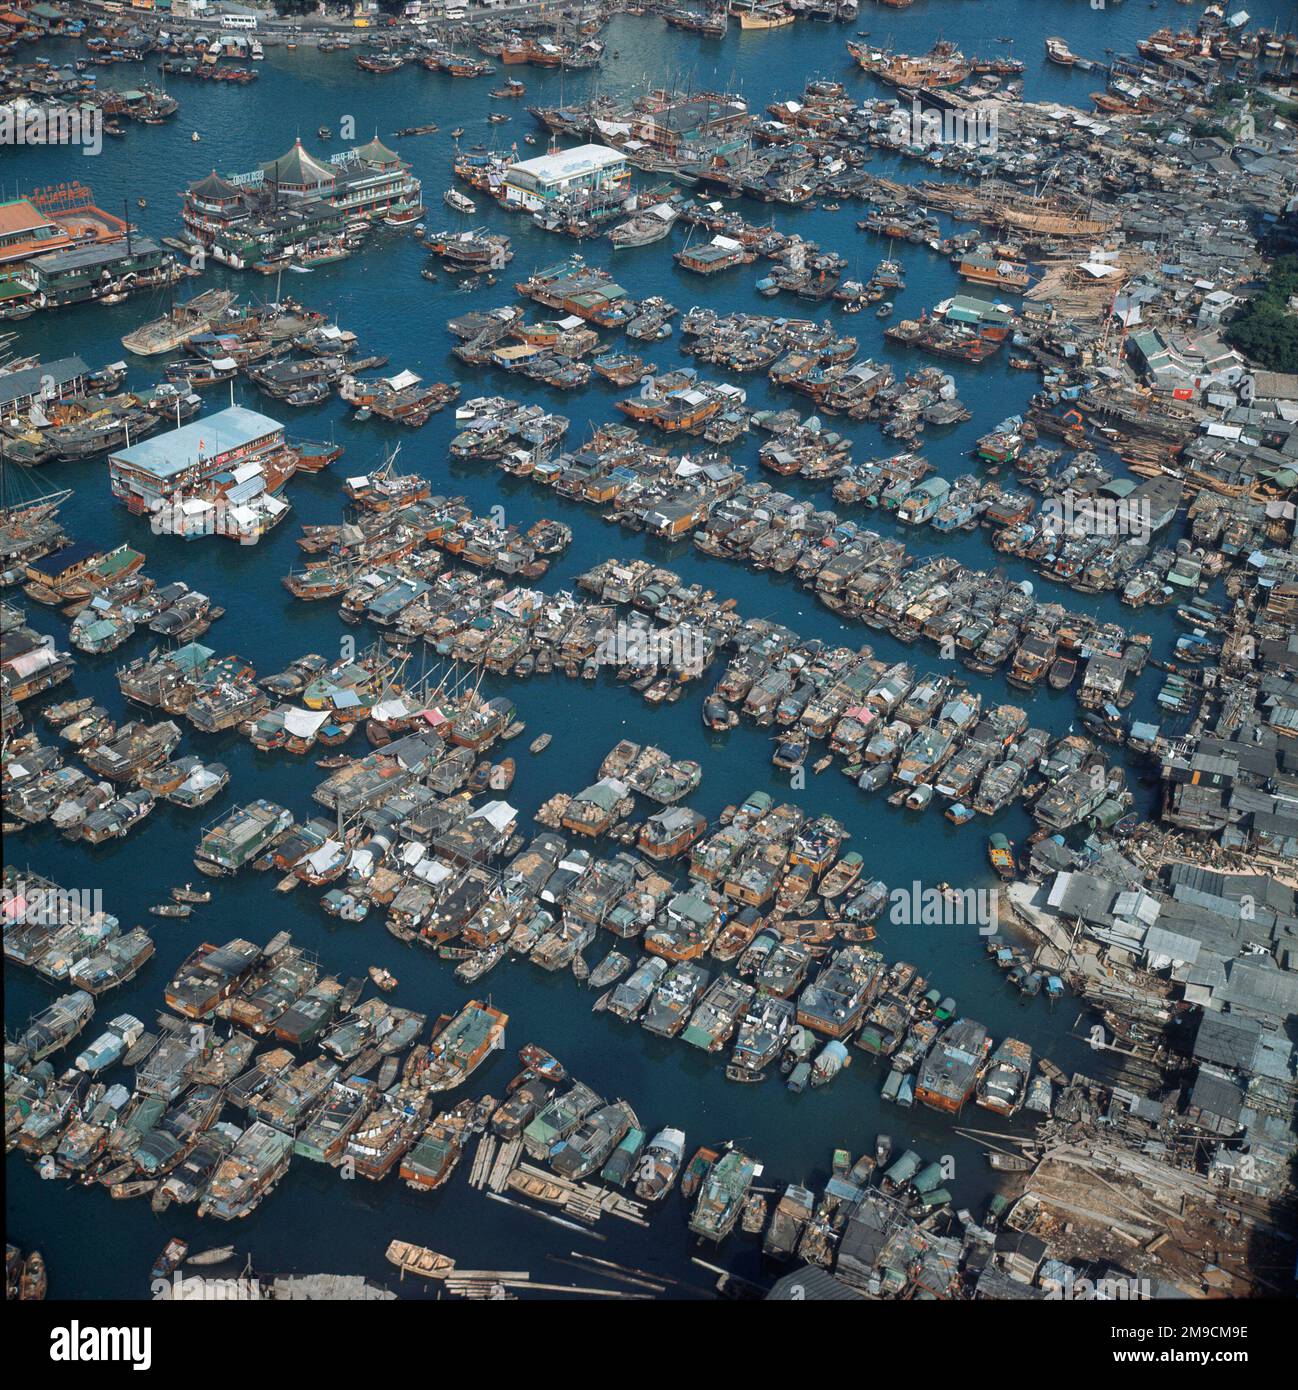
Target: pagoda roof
{"x": 214, "y": 187}
{"x": 376, "y": 152}
{"x": 298, "y": 169}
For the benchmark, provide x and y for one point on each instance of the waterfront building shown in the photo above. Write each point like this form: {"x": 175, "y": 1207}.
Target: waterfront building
{"x": 57, "y": 247}
{"x": 58, "y": 278}
{"x": 691, "y": 127}
{"x": 243, "y": 217}
{"x": 25, "y": 231}
{"x": 532, "y": 183}
{"x": 201, "y": 456}
{"x": 20, "y": 390}
{"x": 990, "y": 320}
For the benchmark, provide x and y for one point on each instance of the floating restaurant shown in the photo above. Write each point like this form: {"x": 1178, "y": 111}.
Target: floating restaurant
{"x": 240, "y": 217}
{"x": 62, "y": 218}
{"x": 80, "y": 273}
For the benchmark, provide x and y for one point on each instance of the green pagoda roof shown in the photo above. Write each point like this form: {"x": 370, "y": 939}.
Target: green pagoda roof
{"x": 214, "y": 187}
{"x": 376, "y": 152}
{"x": 298, "y": 169}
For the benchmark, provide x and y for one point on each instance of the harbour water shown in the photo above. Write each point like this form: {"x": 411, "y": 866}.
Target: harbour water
{"x": 315, "y": 1222}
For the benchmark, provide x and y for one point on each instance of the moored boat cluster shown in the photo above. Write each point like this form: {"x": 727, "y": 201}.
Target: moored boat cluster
{"x": 1106, "y": 288}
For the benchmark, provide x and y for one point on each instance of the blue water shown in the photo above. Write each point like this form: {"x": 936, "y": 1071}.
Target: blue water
{"x": 98, "y": 1248}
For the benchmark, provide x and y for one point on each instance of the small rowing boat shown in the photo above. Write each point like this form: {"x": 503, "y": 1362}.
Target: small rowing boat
{"x": 384, "y": 979}
{"x": 189, "y": 894}
{"x": 215, "y": 1256}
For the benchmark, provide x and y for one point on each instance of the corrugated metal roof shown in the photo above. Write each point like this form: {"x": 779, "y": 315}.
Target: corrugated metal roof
{"x": 1227, "y": 1040}
{"x": 810, "y": 1282}
{"x": 180, "y": 449}
{"x": 16, "y": 386}
{"x": 1167, "y": 947}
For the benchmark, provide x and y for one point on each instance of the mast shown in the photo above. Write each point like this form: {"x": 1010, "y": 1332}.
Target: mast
{"x": 40, "y": 501}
